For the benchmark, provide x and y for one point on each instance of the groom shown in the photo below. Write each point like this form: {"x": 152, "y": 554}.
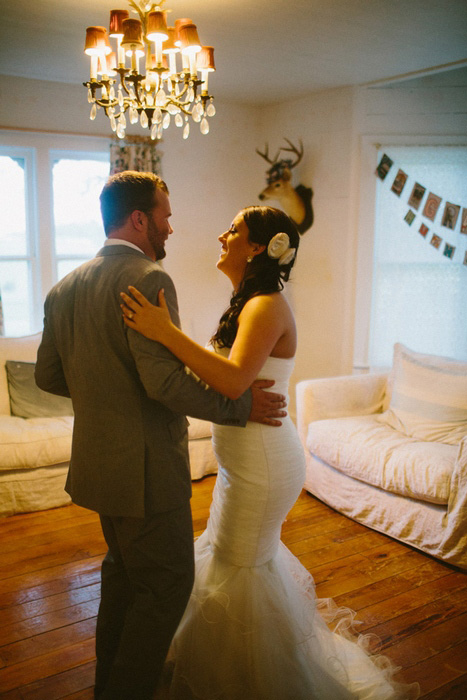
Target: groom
{"x": 129, "y": 460}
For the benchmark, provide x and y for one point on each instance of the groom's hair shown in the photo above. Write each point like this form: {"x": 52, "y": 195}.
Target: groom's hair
{"x": 125, "y": 193}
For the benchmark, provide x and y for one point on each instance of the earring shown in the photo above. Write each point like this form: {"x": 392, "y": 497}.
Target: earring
{"x": 249, "y": 259}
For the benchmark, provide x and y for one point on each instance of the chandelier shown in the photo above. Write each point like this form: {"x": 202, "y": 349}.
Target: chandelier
{"x": 174, "y": 87}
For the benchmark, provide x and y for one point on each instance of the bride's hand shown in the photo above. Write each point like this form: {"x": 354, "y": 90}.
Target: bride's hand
{"x": 138, "y": 313}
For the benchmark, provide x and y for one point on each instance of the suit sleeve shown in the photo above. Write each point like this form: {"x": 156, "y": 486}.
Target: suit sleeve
{"x": 166, "y": 379}
{"x": 48, "y": 372}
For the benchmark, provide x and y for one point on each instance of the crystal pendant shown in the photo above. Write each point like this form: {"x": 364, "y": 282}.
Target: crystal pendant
{"x": 112, "y": 94}
{"x": 110, "y": 111}
{"x": 154, "y": 130}
{"x": 120, "y": 97}
{"x": 121, "y": 131}
{"x": 211, "y": 110}
{"x": 161, "y": 98}
{"x": 90, "y": 97}
{"x": 93, "y": 114}
{"x": 190, "y": 96}
{"x": 133, "y": 115}
{"x": 166, "y": 121}
{"x": 113, "y": 123}
{"x": 159, "y": 131}
{"x": 173, "y": 109}
{"x": 204, "y": 126}
{"x": 122, "y": 119}
{"x": 144, "y": 119}
{"x": 157, "y": 115}
{"x": 186, "y": 130}
{"x": 178, "y": 120}
{"x": 197, "y": 112}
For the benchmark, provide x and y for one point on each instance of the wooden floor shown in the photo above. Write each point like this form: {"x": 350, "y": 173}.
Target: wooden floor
{"x": 49, "y": 593}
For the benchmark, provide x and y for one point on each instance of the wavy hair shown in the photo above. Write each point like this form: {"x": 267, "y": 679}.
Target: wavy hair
{"x": 263, "y": 275}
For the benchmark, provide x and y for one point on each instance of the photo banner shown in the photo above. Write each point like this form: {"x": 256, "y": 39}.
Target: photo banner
{"x": 454, "y": 215}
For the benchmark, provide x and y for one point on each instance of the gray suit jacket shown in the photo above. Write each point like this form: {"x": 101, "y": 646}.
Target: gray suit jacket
{"x": 130, "y": 395}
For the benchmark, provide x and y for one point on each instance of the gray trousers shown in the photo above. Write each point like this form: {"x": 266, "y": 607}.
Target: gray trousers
{"x": 147, "y": 576}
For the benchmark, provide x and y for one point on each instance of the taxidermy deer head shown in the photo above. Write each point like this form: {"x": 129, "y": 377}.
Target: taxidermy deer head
{"x": 296, "y": 202}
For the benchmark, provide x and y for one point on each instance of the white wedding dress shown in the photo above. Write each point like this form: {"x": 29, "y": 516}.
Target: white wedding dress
{"x": 253, "y": 629}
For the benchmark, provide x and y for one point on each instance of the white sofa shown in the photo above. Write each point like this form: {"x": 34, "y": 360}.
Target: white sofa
{"x": 390, "y": 450}
{"x": 35, "y": 451}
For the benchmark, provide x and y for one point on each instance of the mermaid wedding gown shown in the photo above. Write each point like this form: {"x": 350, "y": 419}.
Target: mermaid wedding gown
{"x": 253, "y": 629}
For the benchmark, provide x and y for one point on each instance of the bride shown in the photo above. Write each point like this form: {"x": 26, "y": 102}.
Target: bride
{"x": 253, "y": 629}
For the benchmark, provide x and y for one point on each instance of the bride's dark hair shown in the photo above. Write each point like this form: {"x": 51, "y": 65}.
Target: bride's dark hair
{"x": 263, "y": 275}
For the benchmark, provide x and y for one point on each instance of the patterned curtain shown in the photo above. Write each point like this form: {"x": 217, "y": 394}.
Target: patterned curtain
{"x": 134, "y": 153}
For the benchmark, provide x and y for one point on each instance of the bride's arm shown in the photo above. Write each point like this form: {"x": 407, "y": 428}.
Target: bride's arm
{"x": 260, "y": 326}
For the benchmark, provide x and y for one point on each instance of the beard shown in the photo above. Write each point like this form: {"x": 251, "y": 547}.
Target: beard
{"x": 156, "y": 240}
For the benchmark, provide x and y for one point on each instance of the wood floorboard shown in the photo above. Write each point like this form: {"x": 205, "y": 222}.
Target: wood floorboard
{"x": 49, "y": 593}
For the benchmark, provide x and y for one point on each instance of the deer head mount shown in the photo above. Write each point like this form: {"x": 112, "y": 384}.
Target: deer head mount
{"x": 296, "y": 202}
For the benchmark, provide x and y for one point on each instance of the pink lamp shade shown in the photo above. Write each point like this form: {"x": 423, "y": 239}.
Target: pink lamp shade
{"x": 189, "y": 38}
{"x": 170, "y": 45}
{"x": 179, "y": 23}
{"x": 157, "y": 26}
{"x": 133, "y": 34}
{"x": 205, "y": 59}
{"x": 97, "y": 41}
{"x": 116, "y": 22}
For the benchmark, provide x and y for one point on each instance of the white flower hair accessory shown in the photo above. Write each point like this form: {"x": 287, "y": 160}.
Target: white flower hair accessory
{"x": 279, "y": 249}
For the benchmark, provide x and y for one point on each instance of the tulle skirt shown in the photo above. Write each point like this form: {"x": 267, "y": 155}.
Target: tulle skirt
{"x": 259, "y": 633}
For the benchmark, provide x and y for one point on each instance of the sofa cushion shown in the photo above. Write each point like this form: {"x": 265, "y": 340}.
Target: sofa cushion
{"x": 428, "y": 397}
{"x": 365, "y": 449}
{"x": 198, "y": 429}
{"x": 23, "y": 349}
{"x": 27, "y": 443}
{"x": 27, "y": 400}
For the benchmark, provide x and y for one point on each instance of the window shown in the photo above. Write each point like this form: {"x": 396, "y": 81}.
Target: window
{"x": 419, "y": 294}
{"x": 49, "y": 218}
{"x": 407, "y": 290}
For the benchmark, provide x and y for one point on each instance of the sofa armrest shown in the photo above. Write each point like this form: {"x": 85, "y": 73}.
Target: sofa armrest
{"x": 336, "y": 397}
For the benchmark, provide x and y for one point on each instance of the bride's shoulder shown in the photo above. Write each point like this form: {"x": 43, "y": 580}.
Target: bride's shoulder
{"x": 272, "y": 305}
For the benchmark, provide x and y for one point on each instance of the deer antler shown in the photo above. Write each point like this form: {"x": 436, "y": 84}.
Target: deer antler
{"x": 294, "y": 149}
{"x": 265, "y": 155}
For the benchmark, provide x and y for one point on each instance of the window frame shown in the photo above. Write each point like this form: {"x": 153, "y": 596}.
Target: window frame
{"x": 370, "y": 145}
{"x": 40, "y": 151}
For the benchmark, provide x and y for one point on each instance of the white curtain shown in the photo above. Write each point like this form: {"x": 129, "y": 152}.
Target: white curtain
{"x": 419, "y": 294}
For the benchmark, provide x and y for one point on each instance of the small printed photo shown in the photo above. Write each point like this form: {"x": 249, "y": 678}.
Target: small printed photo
{"x": 451, "y": 212}
{"x": 464, "y": 221}
{"x": 417, "y": 195}
{"x": 449, "y": 250}
{"x": 399, "y": 182}
{"x": 431, "y": 206}
{"x": 409, "y": 217}
{"x": 423, "y": 230}
{"x": 436, "y": 241}
{"x": 383, "y": 168}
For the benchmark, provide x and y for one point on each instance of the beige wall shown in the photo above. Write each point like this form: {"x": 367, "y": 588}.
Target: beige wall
{"x": 211, "y": 177}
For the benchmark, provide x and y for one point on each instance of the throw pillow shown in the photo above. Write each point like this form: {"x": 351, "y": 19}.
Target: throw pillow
{"x": 27, "y": 400}
{"x": 429, "y": 397}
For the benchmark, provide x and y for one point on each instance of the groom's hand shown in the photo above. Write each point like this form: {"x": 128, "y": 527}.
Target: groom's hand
{"x": 267, "y": 406}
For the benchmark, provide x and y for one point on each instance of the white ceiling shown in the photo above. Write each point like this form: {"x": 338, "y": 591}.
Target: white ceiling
{"x": 265, "y": 50}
